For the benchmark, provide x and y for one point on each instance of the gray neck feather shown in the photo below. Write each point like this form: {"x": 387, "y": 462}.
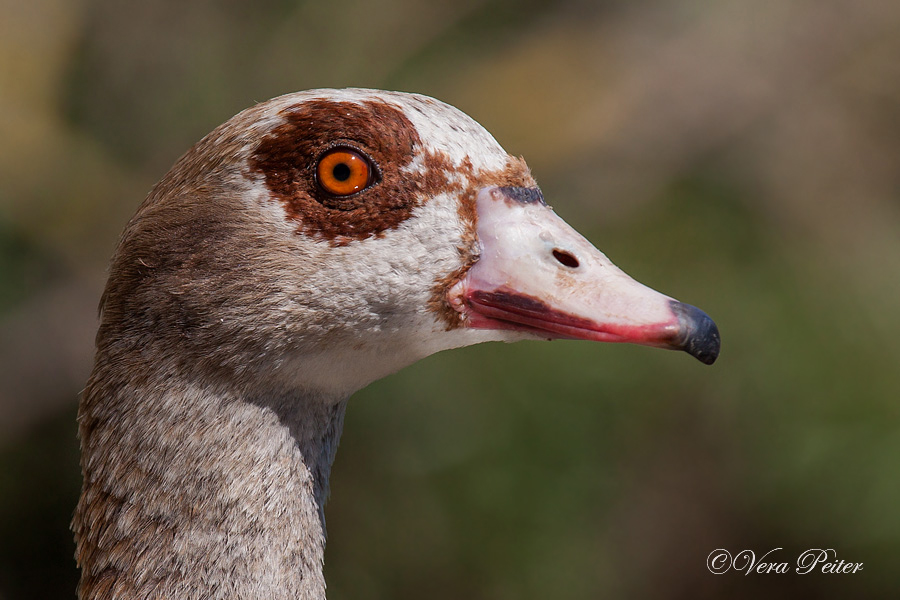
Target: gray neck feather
{"x": 197, "y": 493}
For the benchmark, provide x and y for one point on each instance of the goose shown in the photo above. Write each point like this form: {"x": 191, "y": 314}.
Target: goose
{"x": 308, "y": 246}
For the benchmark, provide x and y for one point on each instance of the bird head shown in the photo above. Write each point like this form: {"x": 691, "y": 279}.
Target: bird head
{"x": 330, "y": 237}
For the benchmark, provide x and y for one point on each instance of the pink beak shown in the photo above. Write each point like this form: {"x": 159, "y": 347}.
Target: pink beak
{"x": 536, "y": 274}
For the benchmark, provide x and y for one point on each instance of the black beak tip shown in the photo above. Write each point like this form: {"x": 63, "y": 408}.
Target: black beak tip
{"x": 698, "y": 334}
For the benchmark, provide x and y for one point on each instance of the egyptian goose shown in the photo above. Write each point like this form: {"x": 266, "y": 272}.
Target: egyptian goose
{"x": 305, "y": 248}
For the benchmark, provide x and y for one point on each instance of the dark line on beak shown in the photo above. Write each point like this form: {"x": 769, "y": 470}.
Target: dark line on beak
{"x": 522, "y": 195}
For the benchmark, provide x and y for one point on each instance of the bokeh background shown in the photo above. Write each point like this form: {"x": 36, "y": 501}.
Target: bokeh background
{"x": 743, "y": 156}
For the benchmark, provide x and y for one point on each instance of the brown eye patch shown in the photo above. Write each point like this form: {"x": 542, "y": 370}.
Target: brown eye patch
{"x": 290, "y": 156}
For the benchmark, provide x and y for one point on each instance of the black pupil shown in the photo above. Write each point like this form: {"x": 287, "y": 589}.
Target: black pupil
{"x": 341, "y": 171}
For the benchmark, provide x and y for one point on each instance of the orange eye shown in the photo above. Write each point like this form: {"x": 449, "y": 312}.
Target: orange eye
{"x": 343, "y": 171}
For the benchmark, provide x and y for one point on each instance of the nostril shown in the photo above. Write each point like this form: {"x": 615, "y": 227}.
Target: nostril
{"x": 565, "y": 258}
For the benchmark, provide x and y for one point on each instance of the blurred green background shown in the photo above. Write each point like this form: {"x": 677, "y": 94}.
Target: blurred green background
{"x": 741, "y": 156}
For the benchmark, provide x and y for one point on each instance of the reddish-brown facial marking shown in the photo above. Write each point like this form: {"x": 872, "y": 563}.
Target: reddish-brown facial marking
{"x": 515, "y": 174}
{"x": 288, "y": 157}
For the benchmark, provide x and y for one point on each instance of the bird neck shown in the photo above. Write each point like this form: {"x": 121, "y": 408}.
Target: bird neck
{"x": 197, "y": 493}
